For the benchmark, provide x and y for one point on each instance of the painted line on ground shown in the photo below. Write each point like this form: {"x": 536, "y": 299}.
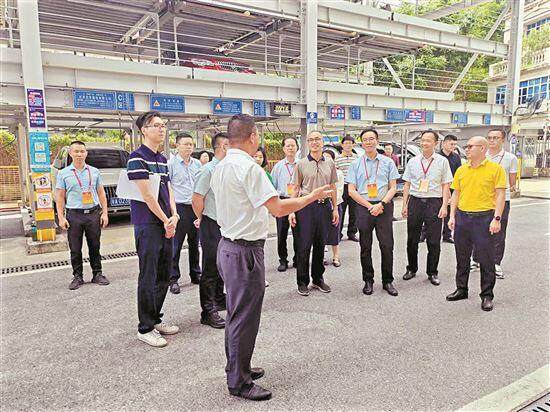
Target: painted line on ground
{"x": 12, "y": 216}
{"x": 515, "y": 395}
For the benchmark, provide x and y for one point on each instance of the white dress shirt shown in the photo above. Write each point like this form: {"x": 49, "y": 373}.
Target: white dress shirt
{"x": 510, "y": 164}
{"x": 438, "y": 172}
{"x": 241, "y": 188}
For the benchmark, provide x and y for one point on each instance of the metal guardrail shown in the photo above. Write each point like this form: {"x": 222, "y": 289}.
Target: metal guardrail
{"x": 10, "y": 186}
{"x": 529, "y": 60}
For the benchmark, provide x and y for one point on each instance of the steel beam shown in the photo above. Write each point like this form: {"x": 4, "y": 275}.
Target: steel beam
{"x": 308, "y": 49}
{"x": 514, "y": 55}
{"x": 393, "y": 73}
{"x": 453, "y": 8}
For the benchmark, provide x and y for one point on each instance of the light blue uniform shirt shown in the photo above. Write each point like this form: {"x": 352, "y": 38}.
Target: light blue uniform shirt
{"x": 203, "y": 188}
{"x": 282, "y": 174}
{"x": 386, "y": 171}
{"x": 67, "y": 180}
{"x": 183, "y": 177}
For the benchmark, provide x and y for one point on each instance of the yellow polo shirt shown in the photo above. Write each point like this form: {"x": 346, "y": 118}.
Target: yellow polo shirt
{"x": 476, "y": 185}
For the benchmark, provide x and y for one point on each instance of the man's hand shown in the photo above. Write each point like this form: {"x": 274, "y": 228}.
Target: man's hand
{"x": 335, "y": 217}
{"x": 442, "y": 212}
{"x": 292, "y": 219}
{"x": 494, "y": 227}
{"x": 451, "y": 223}
{"x": 104, "y": 219}
{"x": 197, "y": 223}
{"x": 377, "y": 209}
{"x": 322, "y": 192}
{"x": 172, "y": 222}
{"x": 405, "y": 212}
{"x": 63, "y": 223}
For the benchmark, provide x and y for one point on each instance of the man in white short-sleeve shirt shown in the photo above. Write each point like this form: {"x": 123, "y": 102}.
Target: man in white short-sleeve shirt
{"x": 244, "y": 197}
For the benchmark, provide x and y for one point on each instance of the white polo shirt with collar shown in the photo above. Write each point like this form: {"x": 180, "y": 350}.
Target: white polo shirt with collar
{"x": 241, "y": 187}
{"x": 438, "y": 172}
{"x": 510, "y": 164}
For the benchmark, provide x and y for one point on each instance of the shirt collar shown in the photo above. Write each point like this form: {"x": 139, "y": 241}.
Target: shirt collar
{"x": 483, "y": 163}
{"x": 148, "y": 151}
{"x": 499, "y": 154}
{"x": 240, "y": 152}
{"x": 286, "y": 162}
{"x": 311, "y": 159}
{"x": 427, "y": 158}
{"x": 378, "y": 157}
{"x": 73, "y": 167}
{"x": 180, "y": 159}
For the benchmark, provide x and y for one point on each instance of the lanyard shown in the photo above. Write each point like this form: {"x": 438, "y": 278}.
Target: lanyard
{"x": 501, "y": 157}
{"x": 425, "y": 170}
{"x": 80, "y": 183}
{"x": 367, "y": 172}
{"x": 288, "y": 170}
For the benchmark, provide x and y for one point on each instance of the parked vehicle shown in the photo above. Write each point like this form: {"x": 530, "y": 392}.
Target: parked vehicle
{"x": 110, "y": 159}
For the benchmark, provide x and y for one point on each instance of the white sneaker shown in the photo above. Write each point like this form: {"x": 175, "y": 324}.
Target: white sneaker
{"x": 165, "y": 329}
{"x": 498, "y": 272}
{"x": 152, "y": 338}
{"x": 266, "y": 283}
{"x": 474, "y": 266}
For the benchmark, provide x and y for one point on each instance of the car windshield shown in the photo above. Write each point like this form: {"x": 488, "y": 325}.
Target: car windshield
{"x": 106, "y": 158}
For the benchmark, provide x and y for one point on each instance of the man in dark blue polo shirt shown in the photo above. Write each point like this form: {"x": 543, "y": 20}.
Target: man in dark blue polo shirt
{"x": 155, "y": 221}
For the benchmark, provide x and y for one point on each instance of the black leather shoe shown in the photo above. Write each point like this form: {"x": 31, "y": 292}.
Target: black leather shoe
{"x": 76, "y": 283}
{"x": 409, "y": 275}
{"x": 195, "y": 279}
{"x": 448, "y": 240}
{"x": 303, "y": 290}
{"x": 487, "y": 304}
{"x": 221, "y": 305}
{"x": 458, "y": 294}
{"x": 253, "y": 393}
{"x": 353, "y": 238}
{"x": 256, "y": 373}
{"x": 388, "y": 287}
{"x": 283, "y": 266}
{"x": 434, "y": 280}
{"x": 174, "y": 288}
{"x": 367, "y": 289}
{"x": 213, "y": 319}
{"x": 100, "y": 280}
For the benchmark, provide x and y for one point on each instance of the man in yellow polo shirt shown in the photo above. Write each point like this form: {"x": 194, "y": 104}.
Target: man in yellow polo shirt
{"x": 476, "y": 209}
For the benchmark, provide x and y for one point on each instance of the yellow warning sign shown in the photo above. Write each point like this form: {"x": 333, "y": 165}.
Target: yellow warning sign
{"x": 218, "y": 107}
{"x": 156, "y": 103}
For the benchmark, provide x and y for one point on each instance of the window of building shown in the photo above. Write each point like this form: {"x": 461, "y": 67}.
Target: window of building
{"x": 501, "y": 95}
{"x": 537, "y": 25}
{"x": 532, "y": 89}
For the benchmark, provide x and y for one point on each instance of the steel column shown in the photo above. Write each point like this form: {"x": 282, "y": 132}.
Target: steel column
{"x": 308, "y": 42}
{"x": 514, "y": 55}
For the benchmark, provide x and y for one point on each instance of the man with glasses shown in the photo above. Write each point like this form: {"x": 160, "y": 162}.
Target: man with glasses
{"x": 312, "y": 222}
{"x": 372, "y": 180}
{"x": 497, "y": 154}
{"x": 211, "y": 294}
{"x": 283, "y": 176}
{"x": 476, "y": 212}
{"x": 183, "y": 170}
{"x": 154, "y": 220}
{"x": 448, "y": 151}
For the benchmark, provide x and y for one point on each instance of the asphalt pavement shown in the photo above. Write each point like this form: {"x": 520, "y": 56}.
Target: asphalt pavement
{"x": 77, "y": 350}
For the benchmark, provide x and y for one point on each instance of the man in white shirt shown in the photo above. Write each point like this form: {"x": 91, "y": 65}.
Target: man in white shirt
{"x": 425, "y": 197}
{"x": 244, "y": 199}
{"x": 497, "y": 154}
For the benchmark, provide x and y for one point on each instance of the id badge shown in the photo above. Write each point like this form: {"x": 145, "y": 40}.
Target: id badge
{"x": 424, "y": 185}
{"x": 290, "y": 189}
{"x": 372, "y": 190}
{"x": 87, "y": 198}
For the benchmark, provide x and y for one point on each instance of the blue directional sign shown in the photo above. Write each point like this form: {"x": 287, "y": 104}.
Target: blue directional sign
{"x": 429, "y": 117}
{"x": 487, "y": 119}
{"x": 459, "y": 118}
{"x": 259, "y": 108}
{"x": 125, "y": 101}
{"x": 409, "y": 116}
{"x": 40, "y": 151}
{"x": 337, "y": 112}
{"x": 103, "y": 100}
{"x": 355, "y": 112}
{"x": 395, "y": 115}
{"x": 224, "y": 106}
{"x": 167, "y": 103}
{"x": 311, "y": 117}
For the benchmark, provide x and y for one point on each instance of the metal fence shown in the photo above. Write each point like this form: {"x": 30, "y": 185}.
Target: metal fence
{"x": 10, "y": 184}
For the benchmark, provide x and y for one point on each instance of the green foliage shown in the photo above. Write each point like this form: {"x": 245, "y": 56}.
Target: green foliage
{"x": 537, "y": 39}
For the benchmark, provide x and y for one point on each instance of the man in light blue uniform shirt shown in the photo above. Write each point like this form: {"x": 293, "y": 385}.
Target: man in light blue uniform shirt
{"x": 283, "y": 177}
{"x": 183, "y": 170}
{"x": 372, "y": 181}
{"x": 79, "y": 190}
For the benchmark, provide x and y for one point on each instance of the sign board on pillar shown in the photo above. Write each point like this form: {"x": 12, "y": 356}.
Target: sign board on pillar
{"x": 311, "y": 117}
{"x": 37, "y": 108}
{"x": 40, "y": 151}
{"x": 459, "y": 118}
{"x": 337, "y": 112}
{"x": 167, "y": 103}
{"x": 281, "y": 109}
{"x": 355, "y": 112}
{"x": 226, "y": 106}
{"x": 259, "y": 108}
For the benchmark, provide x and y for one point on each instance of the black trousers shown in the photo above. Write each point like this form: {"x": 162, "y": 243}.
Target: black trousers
{"x": 211, "y": 284}
{"x": 185, "y": 228}
{"x": 472, "y": 232}
{"x": 500, "y": 237}
{"x": 312, "y": 226}
{"x": 447, "y": 234}
{"x": 383, "y": 224}
{"x": 423, "y": 212}
{"x": 348, "y": 202}
{"x": 81, "y": 224}
{"x": 282, "y": 235}
{"x": 155, "y": 258}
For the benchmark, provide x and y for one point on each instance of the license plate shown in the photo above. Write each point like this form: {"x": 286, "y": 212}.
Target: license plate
{"x": 116, "y": 202}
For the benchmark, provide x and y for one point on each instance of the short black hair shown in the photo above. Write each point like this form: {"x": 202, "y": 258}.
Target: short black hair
{"x": 289, "y": 137}
{"x": 331, "y": 153}
{"x": 264, "y": 154}
{"x": 433, "y": 132}
{"x": 348, "y": 138}
{"x": 216, "y": 138}
{"x": 78, "y": 142}
{"x": 501, "y": 131}
{"x": 145, "y": 118}
{"x": 203, "y": 152}
{"x": 240, "y": 127}
{"x": 388, "y": 144}
{"x": 183, "y": 135}
{"x": 369, "y": 129}
{"x": 450, "y": 137}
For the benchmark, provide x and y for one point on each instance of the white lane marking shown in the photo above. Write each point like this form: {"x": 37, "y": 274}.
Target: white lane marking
{"x": 12, "y": 216}
{"x": 531, "y": 204}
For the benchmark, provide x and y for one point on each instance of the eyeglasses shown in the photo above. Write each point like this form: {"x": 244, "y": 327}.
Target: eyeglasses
{"x": 158, "y": 126}
{"x": 491, "y": 138}
{"x": 469, "y": 146}
{"x": 369, "y": 139}
{"x": 315, "y": 140}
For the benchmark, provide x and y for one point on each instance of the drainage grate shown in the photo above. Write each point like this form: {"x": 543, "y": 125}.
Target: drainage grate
{"x": 61, "y": 263}
{"x": 542, "y": 404}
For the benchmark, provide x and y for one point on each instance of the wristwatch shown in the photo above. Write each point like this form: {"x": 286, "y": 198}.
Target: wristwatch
{"x": 497, "y": 218}
{"x": 384, "y": 202}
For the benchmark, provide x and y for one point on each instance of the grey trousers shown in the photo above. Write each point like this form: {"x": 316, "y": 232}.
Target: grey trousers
{"x": 241, "y": 266}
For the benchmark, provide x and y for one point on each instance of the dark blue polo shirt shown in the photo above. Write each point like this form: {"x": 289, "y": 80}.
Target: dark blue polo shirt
{"x": 142, "y": 163}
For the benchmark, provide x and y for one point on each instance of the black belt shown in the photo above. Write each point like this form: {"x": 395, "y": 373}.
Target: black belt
{"x": 426, "y": 199}
{"x": 250, "y": 243}
{"x": 482, "y": 213}
{"x": 85, "y": 211}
